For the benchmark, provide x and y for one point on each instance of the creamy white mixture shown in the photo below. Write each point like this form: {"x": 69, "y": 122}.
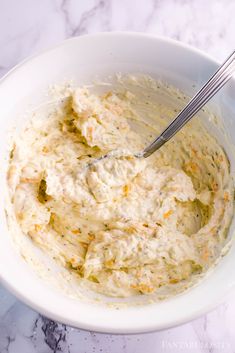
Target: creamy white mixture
{"x": 124, "y": 225}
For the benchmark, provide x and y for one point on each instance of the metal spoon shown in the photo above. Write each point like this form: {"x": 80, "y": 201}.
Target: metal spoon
{"x": 210, "y": 88}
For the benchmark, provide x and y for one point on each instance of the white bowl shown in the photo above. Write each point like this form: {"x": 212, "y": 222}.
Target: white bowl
{"x": 83, "y": 58}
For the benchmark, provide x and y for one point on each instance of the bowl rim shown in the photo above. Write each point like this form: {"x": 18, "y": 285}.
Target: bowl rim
{"x": 41, "y": 307}
{"x": 109, "y": 34}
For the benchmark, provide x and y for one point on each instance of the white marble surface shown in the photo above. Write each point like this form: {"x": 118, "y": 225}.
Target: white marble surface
{"x": 28, "y": 26}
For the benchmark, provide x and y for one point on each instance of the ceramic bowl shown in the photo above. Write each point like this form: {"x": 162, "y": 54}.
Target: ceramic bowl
{"x": 84, "y": 58}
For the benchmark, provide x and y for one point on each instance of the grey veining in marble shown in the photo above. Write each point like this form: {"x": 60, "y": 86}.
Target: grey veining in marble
{"x": 29, "y": 26}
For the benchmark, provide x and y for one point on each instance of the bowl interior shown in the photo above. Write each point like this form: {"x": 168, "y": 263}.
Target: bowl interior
{"x": 84, "y": 59}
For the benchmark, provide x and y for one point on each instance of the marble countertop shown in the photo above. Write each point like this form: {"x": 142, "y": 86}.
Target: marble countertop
{"x": 29, "y": 26}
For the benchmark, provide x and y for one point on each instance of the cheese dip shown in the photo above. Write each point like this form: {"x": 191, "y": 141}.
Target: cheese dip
{"x": 125, "y": 226}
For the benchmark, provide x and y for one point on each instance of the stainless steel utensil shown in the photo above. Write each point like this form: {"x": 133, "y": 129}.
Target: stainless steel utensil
{"x": 210, "y": 88}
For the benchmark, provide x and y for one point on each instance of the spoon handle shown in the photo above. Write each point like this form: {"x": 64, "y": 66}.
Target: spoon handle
{"x": 211, "y": 87}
